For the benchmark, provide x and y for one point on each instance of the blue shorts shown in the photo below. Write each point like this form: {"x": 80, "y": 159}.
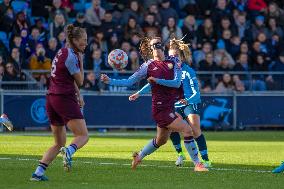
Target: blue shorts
{"x": 189, "y": 109}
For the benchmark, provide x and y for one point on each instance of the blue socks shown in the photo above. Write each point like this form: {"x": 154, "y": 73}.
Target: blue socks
{"x": 175, "y": 137}
{"x": 191, "y": 149}
{"x": 148, "y": 149}
{"x": 72, "y": 148}
{"x": 202, "y": 146}
{"x": 41, "y": 169}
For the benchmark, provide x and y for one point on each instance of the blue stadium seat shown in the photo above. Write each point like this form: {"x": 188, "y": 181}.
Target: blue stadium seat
{"x": 87, "y": 5}
{"x": 78, "y": 7}
{"x": 4, "y": 38}
{"x": 19, "y": 6}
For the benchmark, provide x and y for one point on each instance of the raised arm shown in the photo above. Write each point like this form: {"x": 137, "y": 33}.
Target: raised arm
{"x": 134, "y": 78}
{"x": 176, "y": 82}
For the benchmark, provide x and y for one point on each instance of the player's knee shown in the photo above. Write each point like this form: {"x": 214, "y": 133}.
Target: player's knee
{"x": 161, "y": 141}
{"x": 188, "y": 131}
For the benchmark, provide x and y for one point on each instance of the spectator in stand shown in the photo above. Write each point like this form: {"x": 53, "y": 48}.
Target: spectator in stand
{"x": 220, "y": 52}
{"x": 254, "y": 84}
{"x": 6, "y": 16}
{"x": 2, "y": 62}
{"x": 274, "y": 11}
{"x": 226, "y": 25}
{"x": 226, "y": 85}
{"x": 275, "y": 45}
{"x": 61, "y": 40}
{"x": 241, "y": 24}
{"x": 224, "y": 64}
{"x": 39, "y": 61}
{"x": 57, "y": 9}
{"x": 67, "y": 5}
{"x": 189, "y": 29}
{"x": 222, "y": 10}
{"x": 126, "y": 47}
{"x": 239, "y": 85}
{"x": 234, "y": 48}
{"x": 10, "y": 73}
{"x": 206, "y": 33}
{"x": 17, "y": 43}
{"x": 101, "y": 41}
{"x": 200, "y": 54}
{"x": 264, "y": 45}
{"x": 92, "y": 83}
{"x": 154, "y": 9}
{"x": 135, "y": 40}
{"x": 273, "y": 28}
{"x": 278, "y": 66}
{"x": 52, "y": 48}
{"x": 257, "y": 28}
{"x": 256, "y": 7}
{"x": 133, "y": 61}
{"x": 113, "y": 42}
{"x": 20, "y": 23}
{"x": 171, "y": 29}
{"x": 2, "y": 71}
{"x": 57, "y": 26}
{"x": 97, "y": 62}
{"x": 95, "y": 14}
{"x": 42, "y": 30}
{"x": 81, "y": 22}
{"x": 109, "y": 26}
{"x": 167, "y": 12}
{"x": 208, "y": 63}
{"x": 260, "y": 64}
{"x": 16, "y": 60}
{"x": 132, "y": 28}
{"x": 150, "y": 26}
{"x": 132, "y": 12}
{"x": 33, "y": 40}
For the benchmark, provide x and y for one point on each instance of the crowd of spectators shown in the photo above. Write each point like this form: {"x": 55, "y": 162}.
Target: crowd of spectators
{"x": 225, "y": 35}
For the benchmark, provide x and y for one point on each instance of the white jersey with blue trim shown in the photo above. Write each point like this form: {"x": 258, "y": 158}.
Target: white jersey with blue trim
{"x": 190, "y": 86}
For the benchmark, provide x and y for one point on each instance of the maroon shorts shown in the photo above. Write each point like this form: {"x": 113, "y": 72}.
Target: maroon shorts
{"x": 62, "y": 108}
{"x": 164, "y": 116}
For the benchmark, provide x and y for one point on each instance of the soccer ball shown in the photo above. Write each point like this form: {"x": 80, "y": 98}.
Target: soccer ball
{"x": 117, "y": 59}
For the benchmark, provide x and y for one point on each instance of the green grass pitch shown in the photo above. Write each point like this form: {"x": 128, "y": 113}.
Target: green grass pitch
{"x": 241, "y": 160}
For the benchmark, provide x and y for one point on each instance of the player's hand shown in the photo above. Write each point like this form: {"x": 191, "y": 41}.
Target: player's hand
{"x": 133, "y": 97}
{"x": 104, "y": 78}
{"x": 81, "y": 101}
{"x": 151, "y": 80}
{"x": 183, "y": 101}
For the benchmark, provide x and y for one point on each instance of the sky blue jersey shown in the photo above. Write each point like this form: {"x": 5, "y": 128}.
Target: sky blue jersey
{"x": 190, "y": 86}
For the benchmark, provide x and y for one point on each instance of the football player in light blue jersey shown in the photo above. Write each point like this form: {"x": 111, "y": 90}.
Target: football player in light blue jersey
{"x": 189, "y": 107}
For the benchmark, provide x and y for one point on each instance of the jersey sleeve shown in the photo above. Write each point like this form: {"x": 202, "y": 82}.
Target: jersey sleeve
{"x": 72, "y": 63}
{"x": 145, "y": 89}
{"x": 176, "y": 82}
{"x": 140, "y": 74}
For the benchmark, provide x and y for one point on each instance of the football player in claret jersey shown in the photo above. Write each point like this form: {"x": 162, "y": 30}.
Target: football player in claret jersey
{"x": 165, "y": 78}
{"x": 63, "y": 101}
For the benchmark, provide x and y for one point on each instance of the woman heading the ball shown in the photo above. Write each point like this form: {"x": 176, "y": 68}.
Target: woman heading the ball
{"x": 188, "y": 107}
{"x": 165, "y": 78}
{"x": 63, "y": 101}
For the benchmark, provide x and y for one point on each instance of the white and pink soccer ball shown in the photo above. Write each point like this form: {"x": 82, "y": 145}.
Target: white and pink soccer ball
{"x": 118, "y": 59}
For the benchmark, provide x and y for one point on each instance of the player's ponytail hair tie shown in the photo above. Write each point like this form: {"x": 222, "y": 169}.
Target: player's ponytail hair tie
{"x": 184, "y": 50}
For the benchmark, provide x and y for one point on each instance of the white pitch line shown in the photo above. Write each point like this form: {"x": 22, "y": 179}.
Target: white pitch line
{"x": 146, "y": 165}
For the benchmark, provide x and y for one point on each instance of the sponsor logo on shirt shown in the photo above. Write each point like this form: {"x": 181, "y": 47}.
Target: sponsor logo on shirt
{"x": 170, "y": 66}
{"x": 172, "y": 115}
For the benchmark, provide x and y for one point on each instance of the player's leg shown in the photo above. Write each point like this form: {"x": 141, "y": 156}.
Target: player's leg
{"x": 180, "y": 125}
{"x": 192, "y": 112}
{"x": 80, "y": 132}
{"x": 176, "y": 140}
{"x": 279, "y": 169}
{"x": 152, "y": 146}
{"x": 59, "y": 133}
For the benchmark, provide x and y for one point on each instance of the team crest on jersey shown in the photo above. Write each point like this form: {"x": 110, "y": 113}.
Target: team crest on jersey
{"x": 172, "y": 115}
{"x": 170, "y": 66}
{"x": 38, "y": 111}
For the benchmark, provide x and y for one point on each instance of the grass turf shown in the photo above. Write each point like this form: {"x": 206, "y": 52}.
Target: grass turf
{"x": 104, "y": 162}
